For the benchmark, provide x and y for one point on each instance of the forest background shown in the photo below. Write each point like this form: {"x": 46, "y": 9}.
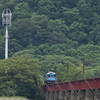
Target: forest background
{"x": 59, "y": 33}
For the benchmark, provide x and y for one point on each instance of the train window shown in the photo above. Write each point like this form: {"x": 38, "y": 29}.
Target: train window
{"x": 51, "y": 75}
{"x": 48, "y": 75}
{"x": 54, "y": 75}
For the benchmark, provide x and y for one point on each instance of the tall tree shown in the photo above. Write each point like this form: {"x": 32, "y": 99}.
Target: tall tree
{"x": 22, "y": 71}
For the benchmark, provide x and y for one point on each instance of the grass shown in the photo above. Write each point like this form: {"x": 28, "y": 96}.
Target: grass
{"x": 13, "y": 98}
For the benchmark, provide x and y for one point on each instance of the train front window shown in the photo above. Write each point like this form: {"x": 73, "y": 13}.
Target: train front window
{"x": 51, "y": 75}
{"x": 54, "y": 75}
{"x": 48, "y": 75}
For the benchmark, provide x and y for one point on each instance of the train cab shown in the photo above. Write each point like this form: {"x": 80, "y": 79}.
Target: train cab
{"x": 50, "y": 77}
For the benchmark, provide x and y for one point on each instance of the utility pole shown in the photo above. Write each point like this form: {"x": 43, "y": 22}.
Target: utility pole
{"x": 6, "y": 21}
{"x": 67, "y": 71}
{"x": 83, "y": 66}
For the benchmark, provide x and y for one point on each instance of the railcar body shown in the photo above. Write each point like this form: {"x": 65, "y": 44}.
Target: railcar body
{"x": 50, "y": 77}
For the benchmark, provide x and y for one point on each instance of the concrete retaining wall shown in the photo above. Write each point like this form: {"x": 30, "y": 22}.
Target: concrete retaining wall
{"x": 74, "y": 95}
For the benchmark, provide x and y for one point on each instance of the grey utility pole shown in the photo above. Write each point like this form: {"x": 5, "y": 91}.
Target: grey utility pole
{"x": 6, "y": 21}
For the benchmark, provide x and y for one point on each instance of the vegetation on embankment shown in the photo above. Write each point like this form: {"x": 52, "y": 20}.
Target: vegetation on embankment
{"x": 19, "y": 76}
{"x": 13, "y": 98}
{"x": 57, "y": 33}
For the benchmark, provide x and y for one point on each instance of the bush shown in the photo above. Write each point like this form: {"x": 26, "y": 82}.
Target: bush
{"x": 8, "y": 89}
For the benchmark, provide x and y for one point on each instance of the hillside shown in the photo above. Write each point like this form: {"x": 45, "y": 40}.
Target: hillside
{"x": 59, "y": 33}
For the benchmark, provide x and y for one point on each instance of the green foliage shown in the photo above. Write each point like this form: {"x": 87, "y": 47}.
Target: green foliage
{"x": 21, "y": 10}
{"x": 40, "y": 20}
{"x": 58, "y": 25}
{"x": 8, "y": 89}
{"x": 24, "y": 34}
{"x": 56, "y": 56}
{"x": 95, "y": 33}
{"x": 35, "y": 22}
{"x": 22, "y": 72}
{"x": 76, "y": 32}
{"x": 70, "y": 15}
{"x": 1, "y": 47}
{"x": 48, "y": 8}
{"x": 55, "y": 32}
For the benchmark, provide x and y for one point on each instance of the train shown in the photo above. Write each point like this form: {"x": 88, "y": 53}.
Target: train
{"x": 50, "y": 77}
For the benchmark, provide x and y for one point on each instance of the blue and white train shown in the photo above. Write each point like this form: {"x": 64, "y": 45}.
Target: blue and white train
{"x": 50, "y": 77}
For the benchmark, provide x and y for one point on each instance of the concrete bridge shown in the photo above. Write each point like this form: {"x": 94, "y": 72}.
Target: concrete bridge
{"x": 86, "y": 89}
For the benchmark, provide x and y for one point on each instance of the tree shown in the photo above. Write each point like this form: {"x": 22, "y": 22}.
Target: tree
{"x": 58, "y": 25}
{"x": 22, "y": 71}
{"x": 69, "y": 15}
{"x": 47, "y": 8}
{"x": 33, "y": 3}
{"x": 91, "y": 53}
{"x": 76, "y": 32}
{"x": 8, "y": 89}
{"x": 2, "y": 47}
{"x": 40, "y": 20}
{"x": 21, "y": 10}
{"x": 14, "y": 46}
{"x": 94, "y": 35}
{"x": 86, "y": 13}
{"x": 23, "y": 30}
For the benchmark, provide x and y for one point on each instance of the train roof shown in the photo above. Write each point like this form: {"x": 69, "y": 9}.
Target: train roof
{"x": 51, "y": 73}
